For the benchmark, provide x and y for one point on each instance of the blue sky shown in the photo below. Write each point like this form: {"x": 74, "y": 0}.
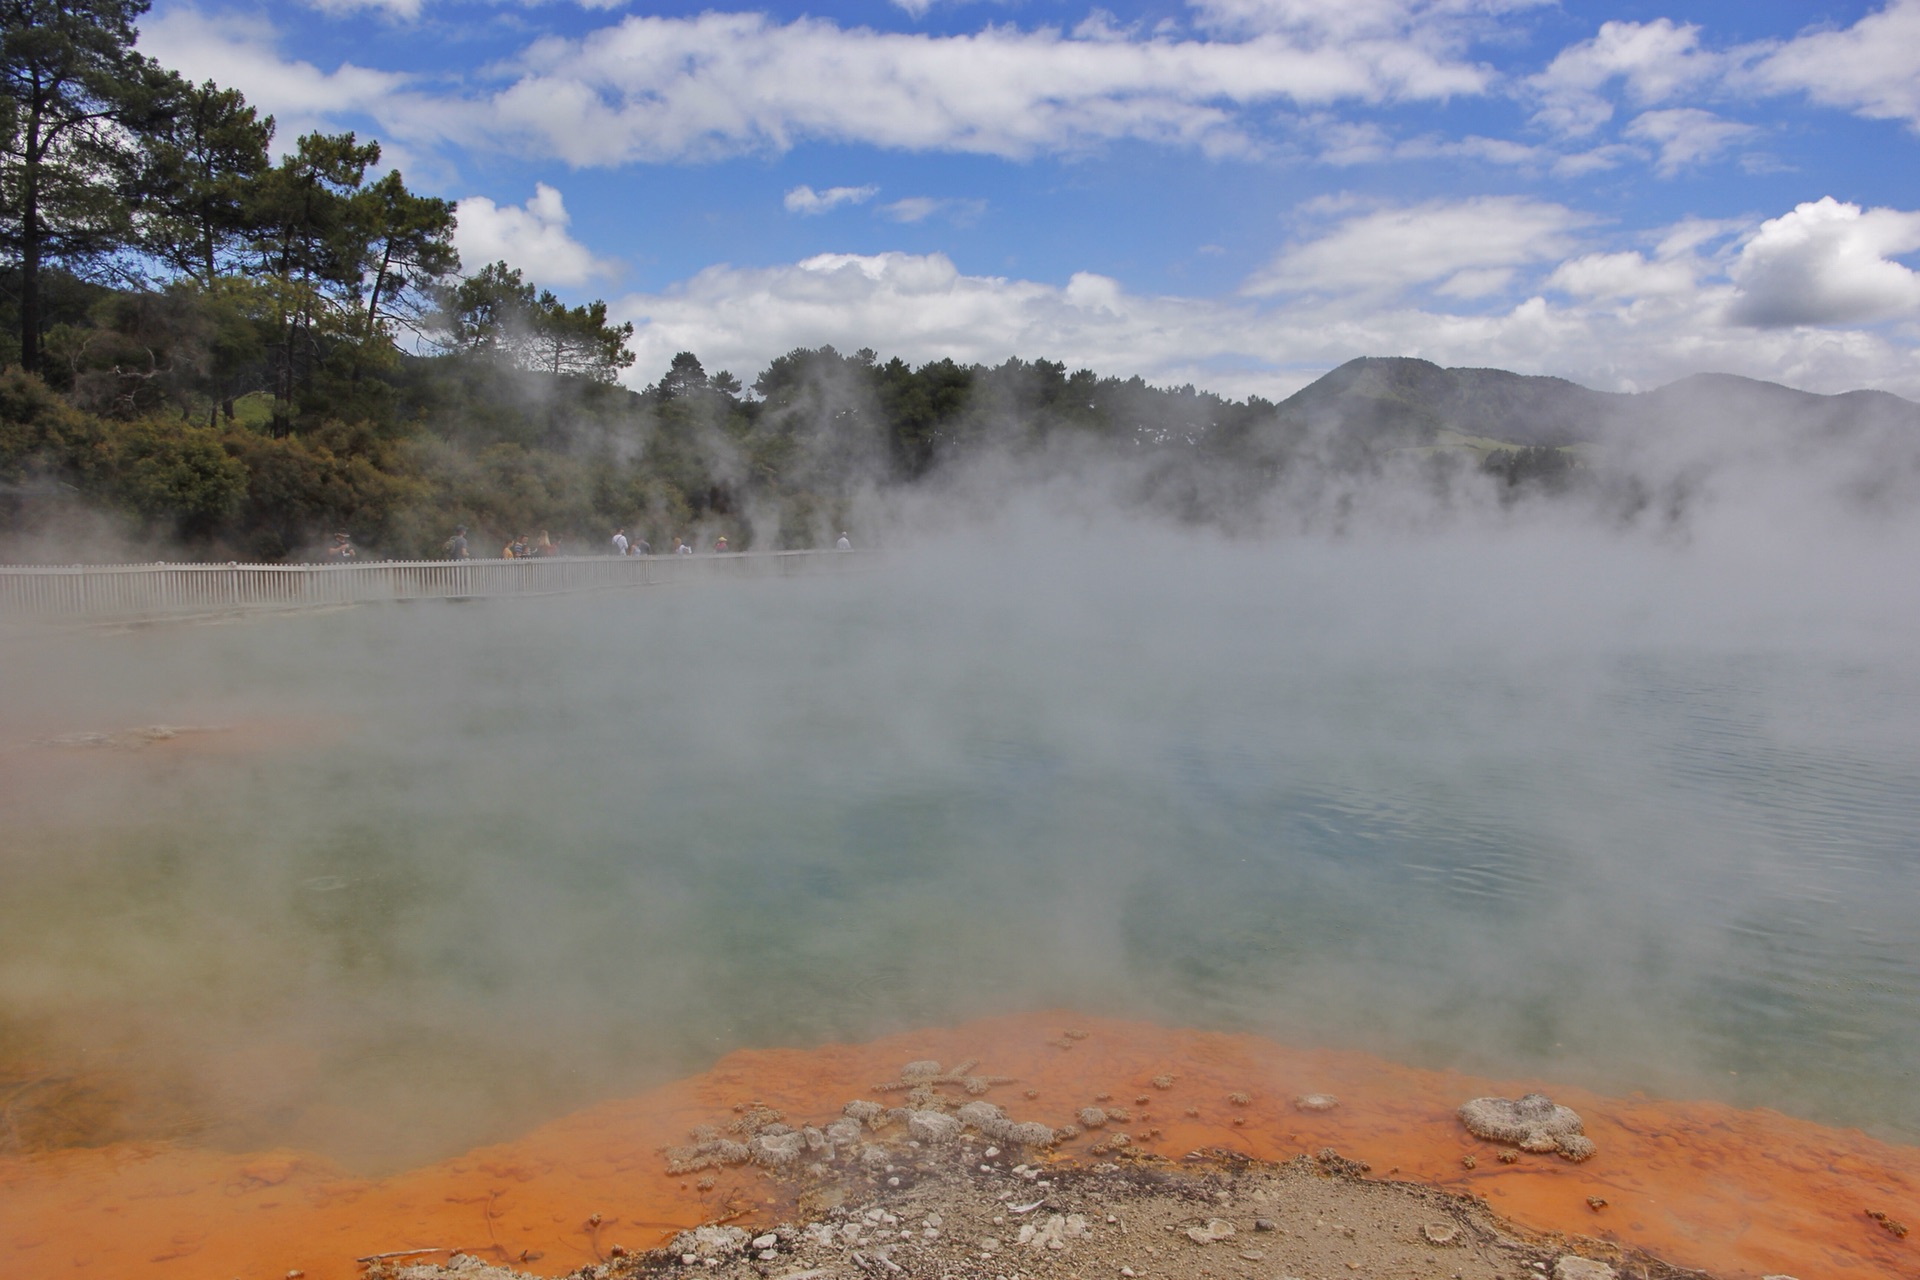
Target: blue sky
{"x": 1236, "y": 193}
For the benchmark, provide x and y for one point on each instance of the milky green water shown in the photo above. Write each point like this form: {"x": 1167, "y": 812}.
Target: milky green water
{"x": 504, "y": 858}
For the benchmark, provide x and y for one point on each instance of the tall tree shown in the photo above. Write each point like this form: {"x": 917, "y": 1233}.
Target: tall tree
{"x": 68, "y": 70}
{"x": 308, "y": 254}
{"x": 496, "y": 312}
{"x": 203, "y": 149}
{"x": 578, "y": 340}
{"x": 685, "y": 376}
{"x": 405, "y": 247}
{"x": 487, "y": 312}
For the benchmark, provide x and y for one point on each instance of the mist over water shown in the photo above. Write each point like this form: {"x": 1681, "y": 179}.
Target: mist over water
{"x": 1528, "y": 800}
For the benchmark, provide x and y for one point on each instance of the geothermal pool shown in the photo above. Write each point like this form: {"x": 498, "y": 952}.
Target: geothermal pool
{"x": 433, "y": 874}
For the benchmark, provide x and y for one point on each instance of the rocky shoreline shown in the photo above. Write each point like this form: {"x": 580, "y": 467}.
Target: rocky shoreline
{"x": 949, "y": 1187}
{"x": 963, "y": 1214}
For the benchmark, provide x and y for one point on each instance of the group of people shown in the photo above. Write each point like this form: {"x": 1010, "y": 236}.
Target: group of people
{"x": 525, "y": 547}
{"x": 639, "y": 546}
{"x": 528, "y": 548}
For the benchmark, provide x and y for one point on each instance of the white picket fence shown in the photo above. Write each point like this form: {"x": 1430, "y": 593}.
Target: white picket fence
{"x": 151, "y": 590}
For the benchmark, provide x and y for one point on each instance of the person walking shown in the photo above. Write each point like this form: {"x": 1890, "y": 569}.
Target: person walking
{"x": 620, "y": 541}
{"x": 641, "y": 547}
{"x": 720, "y": 543}
{"x": 682, "y": 548}
{"x": 457, "y": 544}
{"x": 843, "y": 544}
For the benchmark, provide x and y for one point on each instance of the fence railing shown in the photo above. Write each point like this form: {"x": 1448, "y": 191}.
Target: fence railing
{"x": 141, "y": 590}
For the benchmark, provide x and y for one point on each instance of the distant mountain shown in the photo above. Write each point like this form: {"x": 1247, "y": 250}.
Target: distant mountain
{"x": 1390, "y": 402}
{"x": 1756, "y": 404}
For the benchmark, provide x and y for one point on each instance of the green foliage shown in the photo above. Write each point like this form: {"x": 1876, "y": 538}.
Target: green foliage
{"x": 486, "y": 313}
{"x": 338, "y": 476}
{"x": 40, "y": 433}
{"x": 69, "y": 77}
{"x": 247, "y": 386}
{"x": 175, "y": 477}
{"x": 204, "y": 149}
{"x": 497, "y": 315}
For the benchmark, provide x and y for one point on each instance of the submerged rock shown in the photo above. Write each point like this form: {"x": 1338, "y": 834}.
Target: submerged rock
{"x": 993, "y": 1122}
{"x": 871, "y": 1114}
{"x": 706, "y": 1153}
{"x": 776, "y": 1149}
{"x": 1532, "y": 1123}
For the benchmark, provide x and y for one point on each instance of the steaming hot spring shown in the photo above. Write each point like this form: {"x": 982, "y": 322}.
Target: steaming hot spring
{"x": 456, "y": 922}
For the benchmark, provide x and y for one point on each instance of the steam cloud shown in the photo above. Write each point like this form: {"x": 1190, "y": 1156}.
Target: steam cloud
{"x": 1614, "y": 787}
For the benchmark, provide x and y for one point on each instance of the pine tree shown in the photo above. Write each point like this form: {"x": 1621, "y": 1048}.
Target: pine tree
{"x": 203, "y": 148}
{"x": 69, "y": 73}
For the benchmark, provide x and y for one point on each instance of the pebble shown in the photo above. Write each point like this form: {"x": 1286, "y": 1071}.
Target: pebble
{"x": 1570, "y": 1267}
{"x": 1264, "y": 1224}
{"x": 1216, "y": 1229}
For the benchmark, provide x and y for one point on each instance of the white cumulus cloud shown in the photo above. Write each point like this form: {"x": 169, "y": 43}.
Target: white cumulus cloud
{"x": 1828, "y": 263}
{"x": 401, "y": 9}
{"x": 1628, "y": 274}
{"x": 239, "y": 52}
{"x": 1652, "y": 61}
{"x": 532, "y": 237}
{"x": 806, "y": 200}
{"x": 1686, "y": 136}
{"x": 960, "y": 212}
{"x": 1469, "y": 248}
{"x": 718, "y": 84}
{"x": 1871, "y": 67}
{"x": 1437, "y": 20}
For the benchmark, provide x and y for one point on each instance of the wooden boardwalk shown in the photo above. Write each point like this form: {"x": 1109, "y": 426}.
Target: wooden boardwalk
{"x": 161, "y": 590}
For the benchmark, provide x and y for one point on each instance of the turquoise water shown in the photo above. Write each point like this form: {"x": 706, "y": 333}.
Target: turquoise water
{"x": 501, "y": 858}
